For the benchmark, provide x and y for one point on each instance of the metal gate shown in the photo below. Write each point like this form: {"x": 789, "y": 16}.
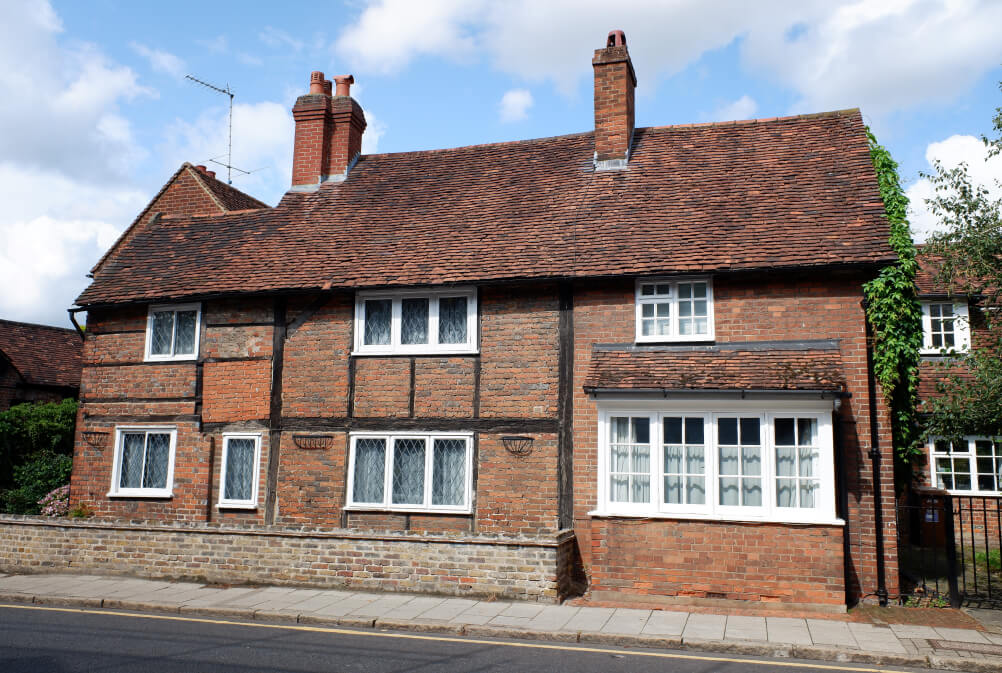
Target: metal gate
{"x": 949, "y": 549}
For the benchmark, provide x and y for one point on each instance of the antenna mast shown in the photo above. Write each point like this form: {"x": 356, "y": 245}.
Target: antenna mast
{"x": 229, "y": 145}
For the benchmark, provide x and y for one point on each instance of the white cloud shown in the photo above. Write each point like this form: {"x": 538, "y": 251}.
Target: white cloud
{"x": 217, "y": 45}
{"x": 277, "y": 38}
{"x": 66, "y": 162}
{"x": 951, "y": 152}
{"x": 262, "y": 143}
{"x": 249, "y": 59}
{"x": 878, "y": 55}
{"x": 515, "y": 105}
{"x": 160, "y": 60}
{"x": 742, "y": 108}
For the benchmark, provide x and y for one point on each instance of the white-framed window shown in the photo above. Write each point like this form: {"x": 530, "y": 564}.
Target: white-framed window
{"x": 144, "y": 461}
{"x": 736, "y": 461}
{"x": 674, "y": 309}
{"x": 972, "y": 466}
{"x": 416, "y": 321}
{"x": 945, "y": 327}
{"x": 172, "y": 332}
{"x": 239, "y": 477}
{"x": 411, "y": 471}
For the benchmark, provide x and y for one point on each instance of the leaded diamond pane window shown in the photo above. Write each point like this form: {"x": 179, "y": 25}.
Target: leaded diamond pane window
{"x": 452, "y": 320}
{"x": 415, "y": 322}
{"x": 370, "y": 460}
{"x": 143, "y": 462}
{"x": 422, "y": 472}
{"x": 378, "y": 321}
{"x": 172, "y": 332}
{"x": 240, "y": 470}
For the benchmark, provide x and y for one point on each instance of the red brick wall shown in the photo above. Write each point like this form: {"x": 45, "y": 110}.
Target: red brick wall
{"x": 315, "y": 372}
{"x": 236, "y": 391}
{"x": 517, "y": 494}
{"x": 717, "y": 559}
{"x": 757, "y": 309}
{"x": 311, "y": 482}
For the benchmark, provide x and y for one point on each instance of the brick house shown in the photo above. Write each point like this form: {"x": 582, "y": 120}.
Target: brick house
{"x": 632, "y": 359}
{"x": 38, "y": 363}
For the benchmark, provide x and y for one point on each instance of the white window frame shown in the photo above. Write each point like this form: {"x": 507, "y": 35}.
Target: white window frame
{"x": 432, "y": 347}
{"x": 251, "y": 503}
{"x": 640, "y": 300}
{"x": 426, "y": 507}
{"x": 961, "y": 328}
{"x": 163, "y": 308}
{"x": 970, "y": 455}
{"x": 116, "y": 467}
{"x": 710, "y": 411}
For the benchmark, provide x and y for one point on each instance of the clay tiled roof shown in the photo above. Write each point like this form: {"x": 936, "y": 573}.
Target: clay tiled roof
{"x": 43, "y": 355}
{"x": 760, "y": 366}
{"x": 762, "y": 194}
{"x": 925, "y": 277}
{"x": 227, "y": 196}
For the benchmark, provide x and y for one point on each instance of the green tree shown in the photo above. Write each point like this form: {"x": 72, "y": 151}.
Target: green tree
{"x": 969, "y": 254}
{"x": 36, "y": 447}
{"x": 895, "y": 317}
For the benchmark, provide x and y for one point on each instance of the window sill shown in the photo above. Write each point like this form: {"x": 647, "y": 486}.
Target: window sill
{"x": 186, "y": 358}
{"x": 423, "y": 353}
{"x": 148, "y": 495}
{"x": 405, "y": 510}
{"x": 597, "y": 514}
{"x": 653, "y": 341}
{"x": 944, "y": 354}
{"x": 236, "y": 505}
{"x": 975, "y": 494}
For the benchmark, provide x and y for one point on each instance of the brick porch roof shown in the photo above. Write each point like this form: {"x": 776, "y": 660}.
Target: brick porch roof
{"x": 43, "y": 355}
{"x": 766, "y": 366}
{"x": 762, "y": 194}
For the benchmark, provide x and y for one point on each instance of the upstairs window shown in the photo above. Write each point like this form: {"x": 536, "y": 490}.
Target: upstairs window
{"x": 971, "y": 466}
{"x": 674, "y": 310}
{"x": 172, "y": 332}
{"x": 440, "y": 321}
{"x": 945, "y": 328}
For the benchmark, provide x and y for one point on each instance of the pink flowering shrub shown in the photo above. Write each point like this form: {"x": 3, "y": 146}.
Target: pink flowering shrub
{"x": 57, "y": 502}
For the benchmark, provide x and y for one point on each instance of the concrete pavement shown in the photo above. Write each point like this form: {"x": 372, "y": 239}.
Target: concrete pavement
{"x": 833, "y": 639}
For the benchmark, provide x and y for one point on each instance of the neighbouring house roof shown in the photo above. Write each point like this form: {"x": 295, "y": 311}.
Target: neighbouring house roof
{"x": 226, "y": 198}
{"x": 763, "y": 194}
{"x": 43, "y": 355}
{"x": 758, "y": 366}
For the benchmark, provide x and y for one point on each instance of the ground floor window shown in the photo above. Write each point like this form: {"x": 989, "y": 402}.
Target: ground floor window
{"x": 410, "y": 471}
{"x": 748, "y": 463}
{"x": 239, "y": 475}
{"x": 972, "y": 465}
{"x": 144, "y": 461}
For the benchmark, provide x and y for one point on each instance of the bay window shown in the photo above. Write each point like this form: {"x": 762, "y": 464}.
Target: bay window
{"x": 411, "y": 472}
{"x": 729, "y": 464}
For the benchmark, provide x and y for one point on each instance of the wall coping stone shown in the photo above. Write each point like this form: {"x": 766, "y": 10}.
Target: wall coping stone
{"x": 225, "y": 528}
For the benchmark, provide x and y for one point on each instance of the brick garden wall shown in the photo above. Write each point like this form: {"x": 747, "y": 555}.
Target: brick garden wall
{"x": 475, "y": 566}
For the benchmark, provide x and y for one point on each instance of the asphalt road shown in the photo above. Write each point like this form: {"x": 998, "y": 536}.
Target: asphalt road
{"x": 34, "y": 639}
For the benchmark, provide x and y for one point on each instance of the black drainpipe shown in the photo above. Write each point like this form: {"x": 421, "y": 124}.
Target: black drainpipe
{"x": 878, "y": 514}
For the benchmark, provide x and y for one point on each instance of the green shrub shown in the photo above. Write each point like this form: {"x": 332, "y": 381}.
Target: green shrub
{"x": 36, "y": 447}
{"x": 43, "y": 472}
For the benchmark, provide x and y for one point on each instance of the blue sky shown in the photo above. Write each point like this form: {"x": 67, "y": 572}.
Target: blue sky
{"x": 97, "y": 113}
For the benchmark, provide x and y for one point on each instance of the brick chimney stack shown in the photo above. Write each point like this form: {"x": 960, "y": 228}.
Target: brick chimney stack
{"x": 328, "y": 132}
{"x": 615, "y": 82}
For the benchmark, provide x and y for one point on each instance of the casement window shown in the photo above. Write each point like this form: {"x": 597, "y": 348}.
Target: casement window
{"x": 427, "y": 472}
{"x": 770, "y": 465}
{"x": 239, "y": 477}
{"x": 972, "y": 466}
{"x": 439, "y": 321}
{"x": 144, "y": 461}
{"x": 945, "y": 327}
{"x": 674, "y": 309}
{"x": 172, "y": 332}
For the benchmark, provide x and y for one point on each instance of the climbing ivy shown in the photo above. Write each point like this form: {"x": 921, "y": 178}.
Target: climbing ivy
{"x": 895, "y": 317}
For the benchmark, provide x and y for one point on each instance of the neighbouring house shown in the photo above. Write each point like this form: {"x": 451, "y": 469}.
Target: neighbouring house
{"x": 631, "y": 360}
{"x": 38, "y": 363}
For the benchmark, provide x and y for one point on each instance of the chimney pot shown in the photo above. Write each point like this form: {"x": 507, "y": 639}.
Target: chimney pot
{"x": 344, "y": 83}
{"x": 617, "y": 38}
{"x": 328, "y": 87}
{"x": 316, "y": 82}
{"x": 211, "y": 174}
{"x": 201, "y": 168}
